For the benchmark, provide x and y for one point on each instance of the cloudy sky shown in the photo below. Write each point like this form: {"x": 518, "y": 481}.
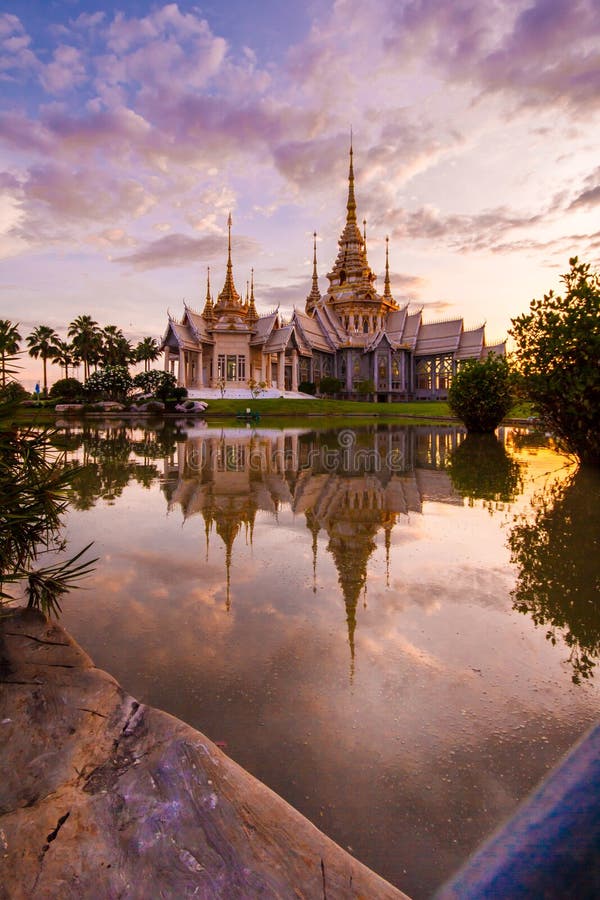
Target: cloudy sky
{"x": 130, "y": 130}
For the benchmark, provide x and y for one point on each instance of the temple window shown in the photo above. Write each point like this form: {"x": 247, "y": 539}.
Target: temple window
{"x": 221, "y": 366}
{"x": 444, "y": 373}
{"x": 241, "y": 369}
{"x": 382, "y": 369}
{"x": 366, "y": 325}
{"x": 231, "y": 368}
{"x": 424, "y": 374}
{"x": 356, "y": 323}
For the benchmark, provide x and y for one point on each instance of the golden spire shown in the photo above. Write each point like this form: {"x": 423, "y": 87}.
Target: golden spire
{"x": 365, "y": 233}
{"x": 351, "y": 205}
{"x": 208, "y": 312}
{"x": 252, "y": 313}
{"x": 387, "y": 293}
{"x": 229, "y": 296}
{"x": 314, "y": 295}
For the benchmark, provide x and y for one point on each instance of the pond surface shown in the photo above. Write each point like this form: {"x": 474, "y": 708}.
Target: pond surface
{"x": 394, "y": 628}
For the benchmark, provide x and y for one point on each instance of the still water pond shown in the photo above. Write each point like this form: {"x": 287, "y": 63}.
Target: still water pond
{"x": 395, "y": 628}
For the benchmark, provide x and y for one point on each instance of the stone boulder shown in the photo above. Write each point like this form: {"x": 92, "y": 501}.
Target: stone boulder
{"x": 103, "y": 797}
{"x": 69, "y": 408}
{"x": 191, "y": 406}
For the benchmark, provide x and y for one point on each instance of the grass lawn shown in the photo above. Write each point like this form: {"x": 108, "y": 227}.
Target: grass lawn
{"x": 431, "y": 410}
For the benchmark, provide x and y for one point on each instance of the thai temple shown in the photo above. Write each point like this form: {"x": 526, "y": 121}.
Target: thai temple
{"x": 352, "y": 332}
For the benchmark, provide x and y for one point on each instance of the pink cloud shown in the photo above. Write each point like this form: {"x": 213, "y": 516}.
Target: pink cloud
{"x": 65, "y": 72}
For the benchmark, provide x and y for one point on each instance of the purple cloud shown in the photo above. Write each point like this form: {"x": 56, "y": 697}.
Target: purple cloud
{"x": 176, "y": 249}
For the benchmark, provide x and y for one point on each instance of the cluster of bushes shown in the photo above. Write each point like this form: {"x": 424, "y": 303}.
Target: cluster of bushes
{"x": 109, "y": 384}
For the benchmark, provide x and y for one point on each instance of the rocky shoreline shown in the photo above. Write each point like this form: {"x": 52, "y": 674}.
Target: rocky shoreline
{"x": 103, "y": 797}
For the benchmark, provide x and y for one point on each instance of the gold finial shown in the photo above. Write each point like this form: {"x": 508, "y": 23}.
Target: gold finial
{"x": 207, "y": 312}
{"x": 387, "y": 293}
{"x": 228, "y": 296}
{"x": 351, "y": 205}
{"x": 365, "y": 233}
{"x": 252, "y": 313}
{"x": 314, "y": 295}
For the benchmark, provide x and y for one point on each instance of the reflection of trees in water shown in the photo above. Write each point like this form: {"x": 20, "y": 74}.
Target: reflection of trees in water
{"x": 557, "y": 553}
{"x": 481, "y": 469}
{"x": 112, "y": 458}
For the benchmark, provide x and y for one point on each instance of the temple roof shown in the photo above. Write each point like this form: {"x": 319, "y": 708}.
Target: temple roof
{"x": 439, "y": 337}
{"x": 264, "y": 326}
{"x": 471, "y": 343}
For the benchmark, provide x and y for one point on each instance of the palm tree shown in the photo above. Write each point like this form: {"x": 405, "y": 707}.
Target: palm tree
{"x": 116, "y": 349}
{"x": 64, "y": 355}
{"x": 86, "y": 341}
{"x": 9, "y": 345}
{"x": 147, "y": 351}
{"x": 42, "y": 342}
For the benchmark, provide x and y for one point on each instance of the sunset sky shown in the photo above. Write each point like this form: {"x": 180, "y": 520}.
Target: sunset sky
{"x": 130, "y": 130}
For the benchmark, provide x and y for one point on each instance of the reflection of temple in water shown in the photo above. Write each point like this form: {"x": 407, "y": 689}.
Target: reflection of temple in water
{"x": 349, "y": 485}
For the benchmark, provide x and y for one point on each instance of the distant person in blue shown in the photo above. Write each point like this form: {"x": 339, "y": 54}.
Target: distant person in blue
{"x": 37, "y": 389}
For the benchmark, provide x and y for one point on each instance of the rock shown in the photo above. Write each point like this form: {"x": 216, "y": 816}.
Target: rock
{"x": 68, "y": 408}
{"x": 104, "y": 797}
{"x": 110, "y": 406}
{"x": 191, "y": 406}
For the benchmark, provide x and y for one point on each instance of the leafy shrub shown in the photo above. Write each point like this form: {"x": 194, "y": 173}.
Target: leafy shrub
{"x": 178, "y": 393}
{"x": 366, "y": 387}
{"x": 160, "y": 384}
{"x": 330, "y": 385}
{"x": 66, "y": 389}
{"x": 481, "y": 393}
{"x": 13, "y": 392}
{"x": 109, "y": 383}
{"x": 307, "y": 387}
{"x": 557, "y": 353}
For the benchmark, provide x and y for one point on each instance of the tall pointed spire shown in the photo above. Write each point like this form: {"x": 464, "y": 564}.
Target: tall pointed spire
{"x": 387, "y": 291}
{"x": 208, "y": 311}
{"x": 252, "y": 313}
{"x": 314, "y": 295}
{"x": 351, "y": 205}
{"x": 229, "y": 296}
{"x": 365, "y": 234}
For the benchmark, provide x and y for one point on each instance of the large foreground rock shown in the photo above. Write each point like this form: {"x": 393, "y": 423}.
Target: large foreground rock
{"x": 103, "y": 797}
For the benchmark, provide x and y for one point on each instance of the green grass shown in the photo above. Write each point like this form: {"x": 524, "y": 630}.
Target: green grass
{"x": 285, "y": 407}
{"x": 292, "y": 410}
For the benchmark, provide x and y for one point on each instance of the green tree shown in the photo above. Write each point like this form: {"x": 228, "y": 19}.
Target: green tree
{"x": 147, "y": 351}
{"x": 87, "y": 341}
{"x": 557, "y": 356}
{"x": 116, "y": 349}
{"x": 157, "y": 382}
{"x": 481, "y": 393}
{"x": 64, "y": 355}
{"x": 9, "y": 347}
{"x": 110, "y": 383}
{"x": 42, "y": 343}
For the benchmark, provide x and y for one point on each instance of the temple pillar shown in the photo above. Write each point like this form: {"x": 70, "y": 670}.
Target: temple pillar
{"x": 167, "y": 358}
{"x": 181, "y": 380}
{"x": 349, "y": 371}
{"x": 281, "y": 370}
{"x": 199, "y": 373}
{"x": 294, "y": 370}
